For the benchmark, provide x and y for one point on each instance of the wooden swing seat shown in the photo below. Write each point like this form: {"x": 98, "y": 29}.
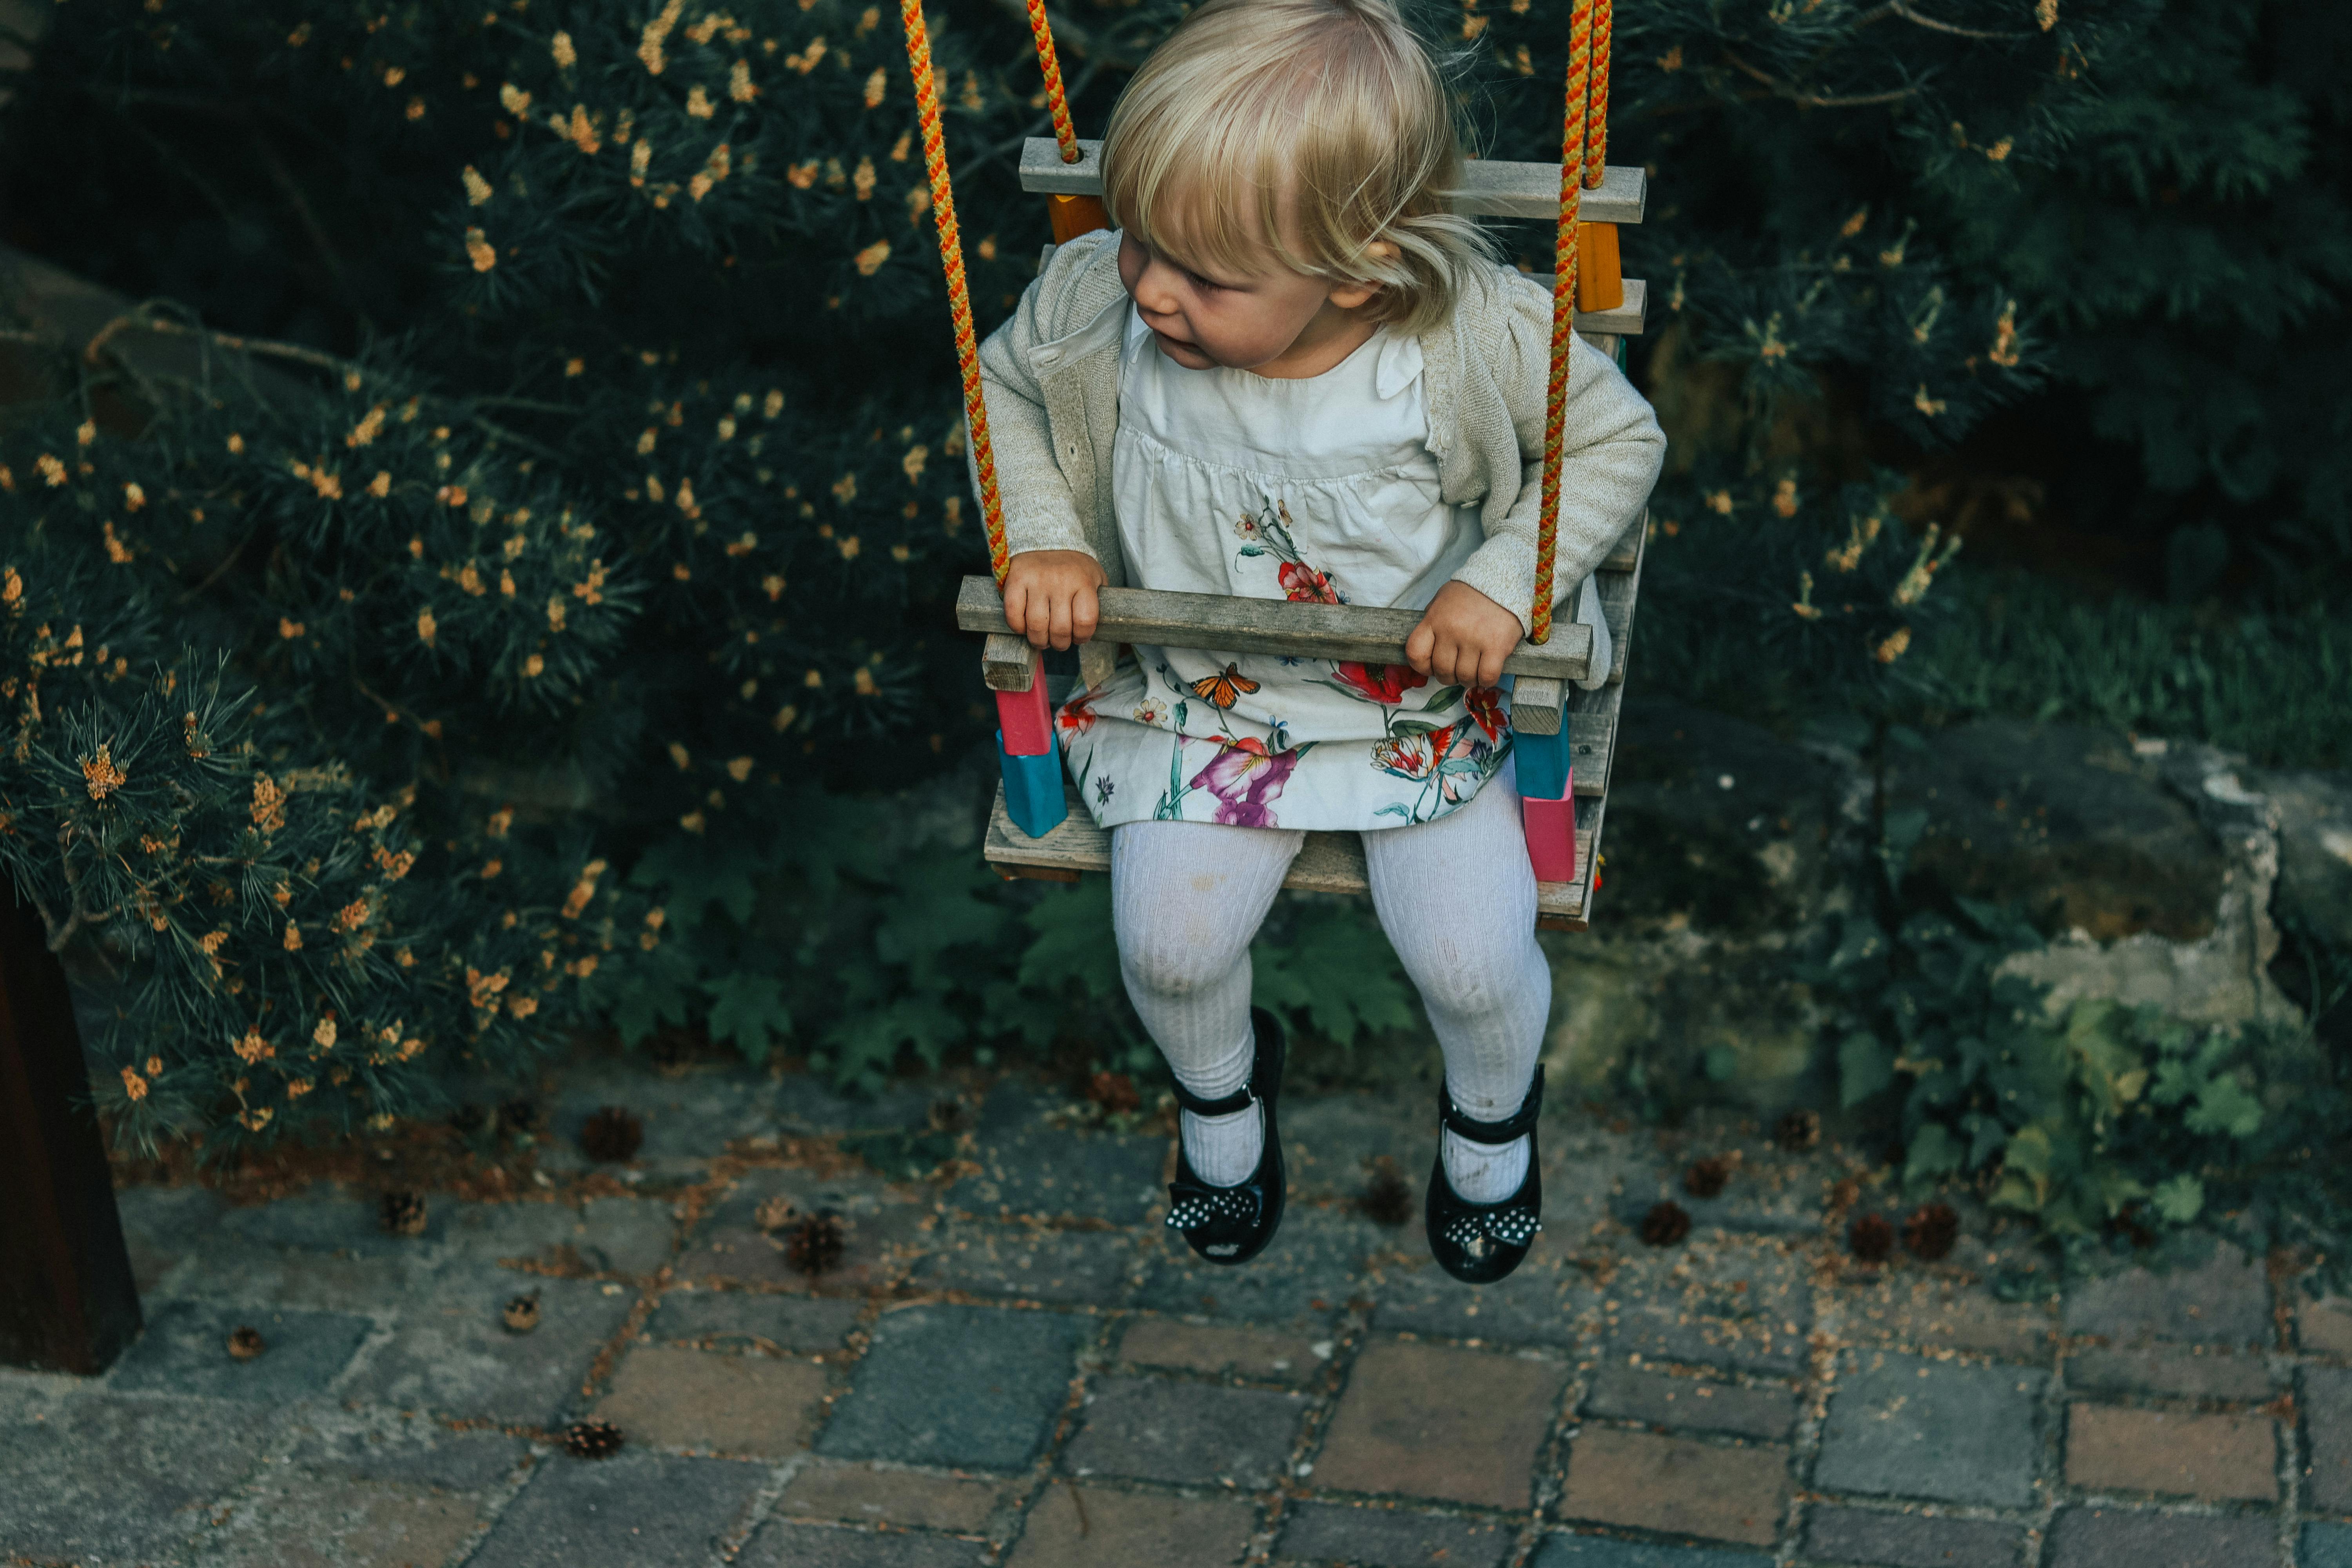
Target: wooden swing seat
{"x": 1546, "y": 696}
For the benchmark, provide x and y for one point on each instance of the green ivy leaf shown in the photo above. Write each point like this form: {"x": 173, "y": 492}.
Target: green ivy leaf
{"x": 750, "y": 1010}
{"x": 2180, "y": 1198}
{"x": 1934, "y": 1153}
{"x": 2223, "y": 1105}
{"x": 1072, "y": 941}
{"x": 1865, "y": 1066}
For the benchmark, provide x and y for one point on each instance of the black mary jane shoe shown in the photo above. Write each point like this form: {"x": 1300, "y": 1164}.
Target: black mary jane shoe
{"x": 1480, "y": 1243}
{"x": 1233, "y": 1225}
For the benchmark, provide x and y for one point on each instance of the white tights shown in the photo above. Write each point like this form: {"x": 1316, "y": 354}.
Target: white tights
{"x": 1458, "y": 902}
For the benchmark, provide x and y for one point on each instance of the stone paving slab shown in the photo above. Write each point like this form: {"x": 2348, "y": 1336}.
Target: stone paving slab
{"x": 1604, "y": 1551}
{"x": 184, "y": 1350}
{"x": 2108, "y": 1538}
{"x": 877, "y": 1494}
{"x": 110, "y": 1479}
{"x": 787, "y": 1544}
{"x": 164, "y": 1227}
{"x": 451, "y": 1353}
{"x": 1028, "y": 1263}
{"x": 2176, "y": 1371}
{"x": 705, "y": 1401}
{"x": 307, "y": 1521}
{"x": 635, "y": 1510}
{"x": 1547, "y": 1302}
{"x": 957, "y": 1386}
{"x": 1911, "y": 1541}
{"x": 1923, "y": 1312}
{"x": 2325, "y": 1546}
{"x": 2214, "y": 1458}
{"x": 1156, "y": 1429}
{"x": 1749, "y": 1309}
{"x": 1690, "y": 1404}
{"x": 2225, "y": 1300}
{"x": 1390, "y": 1538}
{"x": 406, "y": 1449}
{"x": 1902, "y": 1425}
{"x": 1230, "y": 1350}
{"x": 2326, "y": 1404}
{"x": 742, "y": 1320}
{"x": 1431, "y": 1422}
{"x": 1304, "y": 1280}
{"x": 1078, "y": 1526}
{"x": 1646, "y": 1480}
{"x": 1027, "y": 1166}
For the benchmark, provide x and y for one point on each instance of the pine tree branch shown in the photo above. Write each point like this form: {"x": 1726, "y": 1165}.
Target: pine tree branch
{"x": 1901, "y": 9}
{"x": 142, "y": 320}
{"x": 1796, "y": 94}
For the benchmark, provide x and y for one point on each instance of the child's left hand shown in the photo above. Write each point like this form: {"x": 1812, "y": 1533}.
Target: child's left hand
{"x": 1464, "y": 638}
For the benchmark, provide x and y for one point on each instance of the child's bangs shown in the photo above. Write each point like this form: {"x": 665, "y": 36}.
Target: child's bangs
{"x": 1201, "y": 195}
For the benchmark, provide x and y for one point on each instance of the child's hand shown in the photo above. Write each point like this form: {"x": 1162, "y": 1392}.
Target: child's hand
{"x": 1464, "y": 638}
{"x": 1049, "y": 596}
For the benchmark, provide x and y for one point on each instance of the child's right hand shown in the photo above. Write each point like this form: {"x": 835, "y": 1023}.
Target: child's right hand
{"x": 1049, "y": 596}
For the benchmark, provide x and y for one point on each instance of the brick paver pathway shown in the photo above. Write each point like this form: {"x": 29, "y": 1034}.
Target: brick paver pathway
{"x": 1009, "y": 1365}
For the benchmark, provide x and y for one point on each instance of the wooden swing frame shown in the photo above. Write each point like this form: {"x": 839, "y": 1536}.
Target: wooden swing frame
{"x": 1588, "y": 198}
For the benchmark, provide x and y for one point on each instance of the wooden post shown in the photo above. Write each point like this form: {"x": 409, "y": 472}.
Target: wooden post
{"x": 67, "y": 1303}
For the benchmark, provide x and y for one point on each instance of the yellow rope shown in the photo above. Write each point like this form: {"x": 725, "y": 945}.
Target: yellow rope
{"x": 1596, "y": 151}
{"x": 1575, "y": 144}
{"x": 1050, "y": 63}
{"x": 934, "y": 162}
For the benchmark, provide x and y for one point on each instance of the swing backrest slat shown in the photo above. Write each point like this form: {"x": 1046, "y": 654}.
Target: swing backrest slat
{"x": 1490, "y": 187}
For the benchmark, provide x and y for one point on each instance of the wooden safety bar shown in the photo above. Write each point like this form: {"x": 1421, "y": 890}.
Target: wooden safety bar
{"x": 1347, "y": 633}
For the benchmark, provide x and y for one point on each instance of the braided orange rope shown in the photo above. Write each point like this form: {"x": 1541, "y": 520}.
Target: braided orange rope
{"x": 1051, "y": 64}
{"x": 1596, "y": 147}
{"x": 1573, "y": 145}
{"x": 935, "y": 162}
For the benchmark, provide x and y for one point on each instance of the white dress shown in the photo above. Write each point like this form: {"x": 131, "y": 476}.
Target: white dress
{"x": 1322, "y": 489}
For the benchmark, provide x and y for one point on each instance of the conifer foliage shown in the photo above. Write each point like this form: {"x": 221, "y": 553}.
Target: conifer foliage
{"x": 536, "y": 468}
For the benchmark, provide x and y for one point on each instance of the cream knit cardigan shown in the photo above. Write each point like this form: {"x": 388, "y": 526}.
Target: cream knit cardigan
{"x": 1050, "y": 376}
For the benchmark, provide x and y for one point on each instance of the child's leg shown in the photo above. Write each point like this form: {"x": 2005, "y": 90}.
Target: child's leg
{"x": 1458, "y": 900}
{"x": 1186, "y": 899}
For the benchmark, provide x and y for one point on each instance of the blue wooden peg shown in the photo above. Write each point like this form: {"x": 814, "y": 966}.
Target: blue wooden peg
{"x": 1033, "y": 788}
{"x": 1544, "y": 763}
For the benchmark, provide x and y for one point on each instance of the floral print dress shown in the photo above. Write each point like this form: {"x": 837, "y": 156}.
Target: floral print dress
{"x": 1321, "y": 489}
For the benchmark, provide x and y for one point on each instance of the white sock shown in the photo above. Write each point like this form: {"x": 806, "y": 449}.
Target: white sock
{"x": 1458, "y": 902}
{"x": 1223, "y": 1150}
{"x": 1486, "y": 1173}
{"x": 1186, "y": 897}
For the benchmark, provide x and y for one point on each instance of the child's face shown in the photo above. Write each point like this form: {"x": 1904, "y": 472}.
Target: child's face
{"x": 1262, "y": 322}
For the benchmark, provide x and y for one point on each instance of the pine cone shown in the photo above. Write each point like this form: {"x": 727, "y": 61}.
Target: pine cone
{"x": 245, "y": 1343}
{"x": 592, "y": 1439}
{"x": 1931, "y": 1231}
{"x": 1871, "y": 1239}
{"x": 1665, "y": 1224}
{"x": 1386, "y": 1197}
{"x": 521, "y": 1315}
{"x": 611, "y": 1135}
{"x": 1798, "y": 1131}
{"x": 402, "y": 1213}
{"x": 815, "y": 1245}
{"x": 1705, "y": 1178}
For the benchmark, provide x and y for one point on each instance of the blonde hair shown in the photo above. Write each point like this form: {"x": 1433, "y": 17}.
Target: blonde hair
{"x": 1309, "y": 128}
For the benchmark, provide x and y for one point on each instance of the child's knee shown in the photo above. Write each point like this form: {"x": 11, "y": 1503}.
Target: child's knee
{"x": 1174, "y": 965}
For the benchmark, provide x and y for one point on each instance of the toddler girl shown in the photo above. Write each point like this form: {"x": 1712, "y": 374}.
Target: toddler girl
{"x": 1293, "y": 372}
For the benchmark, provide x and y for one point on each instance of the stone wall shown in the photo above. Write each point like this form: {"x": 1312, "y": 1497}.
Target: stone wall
{"x": 2157, "y": 871}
